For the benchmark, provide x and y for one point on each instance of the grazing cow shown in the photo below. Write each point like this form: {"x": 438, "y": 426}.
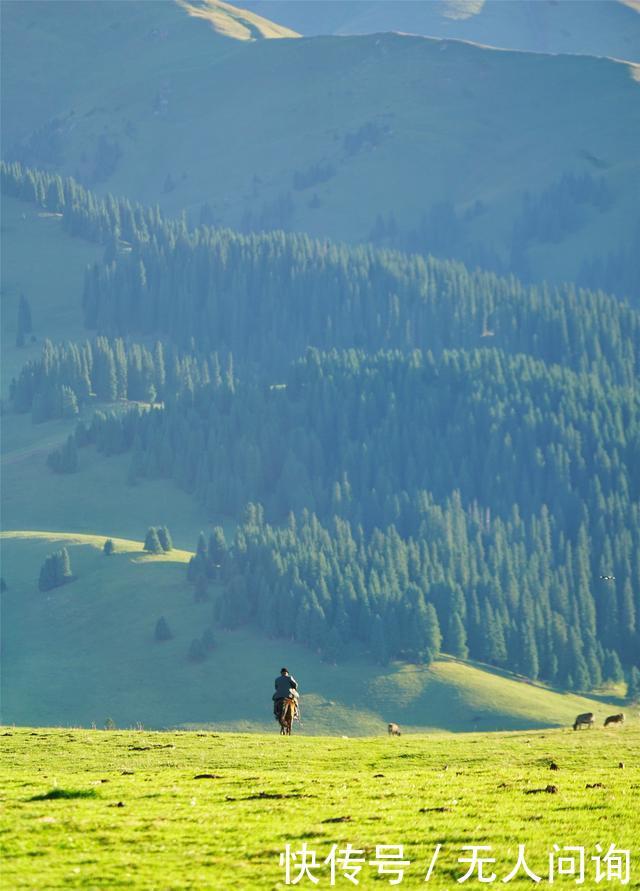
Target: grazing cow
{"x": 394, "y": 730}
{"x": 586, "y": 719}
{"x": 614, "y": 719}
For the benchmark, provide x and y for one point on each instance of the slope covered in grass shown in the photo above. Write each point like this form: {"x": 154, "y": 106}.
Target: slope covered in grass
{"x": 46, "y": 264}
{"x": 326, "y": 135}
{"x": 184, "y": 810}
{"x": 100, "y": 502}
{"x": 86, "y": 652}
{"x": 125, "y": 52}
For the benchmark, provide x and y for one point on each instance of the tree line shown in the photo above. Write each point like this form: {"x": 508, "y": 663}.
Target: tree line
{"x": 465, "y": 585}
{"x": 215, "y": 290}
{"x": 67, "y": 376}
{"x": 373, "y": 440}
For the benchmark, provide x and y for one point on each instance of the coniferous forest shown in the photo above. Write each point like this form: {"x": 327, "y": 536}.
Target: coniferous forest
{"x": 420, "y": 457}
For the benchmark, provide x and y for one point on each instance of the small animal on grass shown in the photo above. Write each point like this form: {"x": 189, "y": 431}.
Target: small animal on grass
{"x": 586, "y": 719}
{"x": 394, "y": 730}
{"x": 614, "y": 719}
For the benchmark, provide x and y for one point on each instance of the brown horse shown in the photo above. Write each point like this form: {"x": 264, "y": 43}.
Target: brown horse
{"x": 287, "y": 713}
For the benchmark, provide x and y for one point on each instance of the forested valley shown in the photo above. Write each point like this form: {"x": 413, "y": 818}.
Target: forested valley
{"x": 419, "y": 457}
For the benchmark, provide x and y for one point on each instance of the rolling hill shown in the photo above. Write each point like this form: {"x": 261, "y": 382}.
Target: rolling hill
{"x": 600, "y": 28}
{"x": 357, "y": 138}
{"x": 85, "y": 652}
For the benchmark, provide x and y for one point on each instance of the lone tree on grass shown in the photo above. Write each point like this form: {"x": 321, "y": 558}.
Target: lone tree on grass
{"x": 55, "y": 571}
{"x": 197, "y": 651}
{"x": 164, "y": 537}
{"x": 152, "y": 542}
{"x": 163, "y": 632}
{"x": 108, "y": 547}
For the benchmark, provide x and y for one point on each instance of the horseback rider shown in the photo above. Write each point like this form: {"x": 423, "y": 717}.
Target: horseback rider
{"x": 286, "y": 688}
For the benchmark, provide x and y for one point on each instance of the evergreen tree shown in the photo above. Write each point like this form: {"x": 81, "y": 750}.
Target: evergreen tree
{"x": 109, "y": 547}
{"x": 433, "y": 637}
{"x": 55, "y": 571}
{"x": 68, "y": 403}
{"x": 613, "y": 667}
{"x": 197, "y": 652}
{"x": 217, "y": 551}
{"x": 63, "y": 566}
{"x": 152, "y": 542}
{"x": 633, "y": 685}
{"x": 456, "y": 637}
{"x": 164, "y": 537}
{"x": 163, "y": 632}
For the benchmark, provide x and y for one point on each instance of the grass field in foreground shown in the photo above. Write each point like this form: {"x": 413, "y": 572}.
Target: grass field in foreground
{"x": 132, "y": 812}
{"x": 86, "y": 652}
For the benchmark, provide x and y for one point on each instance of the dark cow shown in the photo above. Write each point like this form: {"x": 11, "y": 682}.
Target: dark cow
{"x": 394, "y": 730}
{"x": 614, "y": 719}
{"x": 585, "y": 719}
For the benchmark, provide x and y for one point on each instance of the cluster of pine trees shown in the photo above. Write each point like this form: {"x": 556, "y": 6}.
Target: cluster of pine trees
{"x": 463, "y": 584}
{"x": 55, "y": 571}
{"x": 199, "y": 647}
{"x": 158, "y": 540}
{"x": 560, "y": 209}
{"x": 64, "y": 459}
{"x": 67, "y": 376}
{"x": 109, "y": 221}
{"x": 295, "y": 291}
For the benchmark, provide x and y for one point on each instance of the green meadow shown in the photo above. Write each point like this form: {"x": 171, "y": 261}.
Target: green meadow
{"x": 85, "y": 652}
{"x": 116, "y": 809}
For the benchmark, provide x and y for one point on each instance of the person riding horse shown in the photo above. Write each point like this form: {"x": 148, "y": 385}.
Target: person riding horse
{"x": 286, "y": 688}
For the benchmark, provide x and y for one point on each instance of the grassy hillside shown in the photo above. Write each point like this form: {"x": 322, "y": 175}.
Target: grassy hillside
{"x": 123, "y": 50}
{"x": 86, "y": 652}
{"x": 115, "y": 809}
{"x": 595, "y": 27}
{"x": 374, "y": 125}
{"x": 47, "y": 265}
{"x": 42, "y": 261}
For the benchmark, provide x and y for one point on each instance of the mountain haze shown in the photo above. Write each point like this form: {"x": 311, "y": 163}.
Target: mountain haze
{"x": 362, "y": 138}
{"x": 590, "y": 27}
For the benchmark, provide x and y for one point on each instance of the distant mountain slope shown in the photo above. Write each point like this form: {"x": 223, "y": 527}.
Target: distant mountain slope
{"x": 414, "y": 143}
{"x": 230, "y": 21}
{"x": 81, "y": 58}
{"x": 86, "y": 651}
{"x": 594, "y": 27}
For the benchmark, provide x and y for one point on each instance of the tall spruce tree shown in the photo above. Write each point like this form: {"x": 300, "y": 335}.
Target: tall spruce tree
{"x": 152, "y": 542}
{"x": 164, "y": 537}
